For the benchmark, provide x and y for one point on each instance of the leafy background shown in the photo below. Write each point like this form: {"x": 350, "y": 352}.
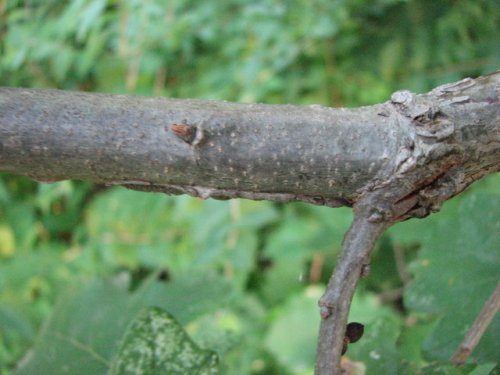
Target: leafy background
{"x": 79, "y": 261}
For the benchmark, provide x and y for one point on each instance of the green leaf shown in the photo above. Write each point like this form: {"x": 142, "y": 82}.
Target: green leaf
{"x": 88, "y": 322}
{"x": 80, "y": 336}
{"x": 4, "y": 191}
{"x": 377, "y": 348}
{"x": 23, "y": 271}
{"x": 120, "y": 235}
{"x": 445, "y": 369}
{"x": 455, "y": 274}
{"x": 485, "y": 369}
{"x": 300, "y": 314}
{"x": 7, "y": 242}
{"x": 156, "y": 344}
{"x": 23, "y": 215}
{"x": 10, "y": 321}
{"x": 188, "y": 296}
{"x": 410, "y": 344}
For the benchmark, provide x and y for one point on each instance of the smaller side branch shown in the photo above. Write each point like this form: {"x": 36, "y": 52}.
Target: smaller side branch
{"x": 334, "y": 304}
{"x": 478, "y": 328}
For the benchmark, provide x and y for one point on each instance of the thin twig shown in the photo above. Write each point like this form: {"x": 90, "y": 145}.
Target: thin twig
{"x": 478, "y": 328}
{"x": 335, "y": 303}
{"x": 391, "y": 295}
{"x": 316, "y": 267}
{"x": 399, "y": 257}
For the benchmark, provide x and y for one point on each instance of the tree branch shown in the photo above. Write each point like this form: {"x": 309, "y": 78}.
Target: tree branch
{"x": 476, "y": 331}
{"x": 334, "y": 304}
{"x": 391, "y": 161}
{"x": 283, "y": 153}
{"x": 201, "y": 148}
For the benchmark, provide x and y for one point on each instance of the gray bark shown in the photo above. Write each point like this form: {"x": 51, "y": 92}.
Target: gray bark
{"x": 391, "y": 161}
{"x": 257, "y": 151}
{"x": 315, "y": 154}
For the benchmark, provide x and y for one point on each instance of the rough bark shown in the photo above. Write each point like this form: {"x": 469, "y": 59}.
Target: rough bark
{"x": 391, "y": 161}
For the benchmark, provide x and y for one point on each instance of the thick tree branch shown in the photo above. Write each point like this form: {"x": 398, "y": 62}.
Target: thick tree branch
{"x": 391, "y": 161}
{"x": 284, "y": 153}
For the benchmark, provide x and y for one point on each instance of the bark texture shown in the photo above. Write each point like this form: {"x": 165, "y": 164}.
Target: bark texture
{"x": 391, "y": 161}
{"x": 281, "y": 153}
{"x": 285, "y": 153}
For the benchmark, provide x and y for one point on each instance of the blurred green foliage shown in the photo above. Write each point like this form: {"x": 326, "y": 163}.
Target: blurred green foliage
{"x": 78, "y": 262}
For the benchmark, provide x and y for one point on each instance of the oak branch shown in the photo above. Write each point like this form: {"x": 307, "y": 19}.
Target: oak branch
{"x": 392, "y": 161}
